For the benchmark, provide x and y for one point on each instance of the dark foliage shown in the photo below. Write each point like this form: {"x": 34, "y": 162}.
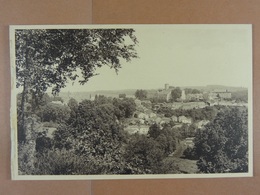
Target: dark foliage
{"x": 48, "y": 58}
{"x": 141, "y": 94}
{"x": 223, "y": 145}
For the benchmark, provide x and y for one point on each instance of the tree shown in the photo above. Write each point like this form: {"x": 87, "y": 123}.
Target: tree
{"x": 95, "y": 135}
{"x": 176, "y": 93}
{"x": 143, "y": 155}
{"x": 73, "y": 104}
{"x": 192, "y": 91}
{"x": 55, "y": 113}
{"x": 48, "y": 58}
{"x": 141, "y": 94}
{"x": 154, "y": 131}
{"x": 124, "y": 108}
{"x": 223, "y": 145}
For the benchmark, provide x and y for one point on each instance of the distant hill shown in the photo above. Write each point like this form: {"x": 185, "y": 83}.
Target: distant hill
{"x": 79, "y": 96}
{"x": 216, "y": 87}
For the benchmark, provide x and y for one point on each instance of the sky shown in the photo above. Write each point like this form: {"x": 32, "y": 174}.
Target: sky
{"x": 181, "y": 55}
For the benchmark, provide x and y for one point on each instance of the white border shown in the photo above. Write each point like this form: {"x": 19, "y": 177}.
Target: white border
{"x": 13, "y": 114}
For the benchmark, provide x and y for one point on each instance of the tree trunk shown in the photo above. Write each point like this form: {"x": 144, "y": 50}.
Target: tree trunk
{"x": 21, "y": 121}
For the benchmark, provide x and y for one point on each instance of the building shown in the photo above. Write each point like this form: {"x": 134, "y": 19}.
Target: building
{"x": 140, "y": 129}
{"x": 183, "y": 95}
{"x": 193, "y": 105}
{"x": 201, "y": 124}
{"x": 138, "y": 102}
{"x": 141, "y": 115}
{"x": 165, "y": 95}
{"x": 161, "y": 95}
{"x": 189, "y": 142}
{"x": 166, "y": 86}
{"x": 174, "y": 118}
{"x": 194, "y": 97}
{"x": 220, "y": 94}
{"x": 185, "y": 120}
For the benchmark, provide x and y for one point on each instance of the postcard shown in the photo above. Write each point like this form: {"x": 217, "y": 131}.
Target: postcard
{"x": 131, "y": 101}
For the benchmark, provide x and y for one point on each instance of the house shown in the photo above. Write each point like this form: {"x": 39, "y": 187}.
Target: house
{"x": 189, "y": 142}
{"x": 158, "y": 120}
{"x": 161, "y": 94}
{"x": 183, "y": 95}
{"x": 58, "y": 102}
{"x": 174, "y": 118}
{"x": 165, "y": 120}
{"x": 141, "y": 115}
{"x": 220, "y": 94}
{"x": 201, "y": 123}
{"x": 177, "y": 105}
{"x": 146, "y": 103}
{"x": 151, "y": 94}
{"x": 194, "y": 97}
{"x": 152, "y": 115}
{"x": 185, "y": 120}
{"x": 192, "y": 105}
{"x": 165, "y": 95}
{"x": 138, "y": 102}
{"x": 177, "y": 126}
{"x": 140, "y": 129}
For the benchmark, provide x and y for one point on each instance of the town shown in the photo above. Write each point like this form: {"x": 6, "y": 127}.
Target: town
{"x": 149, "y": 109}
{"x": 170, "y": 117}
{"x": 153, "y": 106}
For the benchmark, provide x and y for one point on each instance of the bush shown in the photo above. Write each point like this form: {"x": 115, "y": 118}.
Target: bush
{"x": 26, "y": 158}
{"x": 190, "y": 153}
{"x": 60, "y": 162}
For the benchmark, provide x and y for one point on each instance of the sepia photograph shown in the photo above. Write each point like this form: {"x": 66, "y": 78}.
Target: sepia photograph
{"x": 131, "y": 101}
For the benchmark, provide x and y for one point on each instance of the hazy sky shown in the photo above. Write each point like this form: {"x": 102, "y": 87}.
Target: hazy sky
{"x": 182, "y": 55}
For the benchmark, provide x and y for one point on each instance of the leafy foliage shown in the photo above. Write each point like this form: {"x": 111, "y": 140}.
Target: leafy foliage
{"x": 60, "y": 162}
{"x": 154, "y": 131}
{"x": 143, "y": 155}
{"x": 55, "y": 112}
{"x": 124, "y": 108}
{"x": 46, "y": 57}
{"x": 146, "y": 154}
{"x": 49, "y": 58}
{"x": 96, "y": 135}
{"x": 223, "y": 145}
{"x": 192, "y": 91}
{"x": 141, "y": 94}
{"x": 207, "y": 113}
{"x": 175, "y": 94}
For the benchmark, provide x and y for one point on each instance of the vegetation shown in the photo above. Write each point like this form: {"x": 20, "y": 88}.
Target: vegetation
{"x": 207, "y": 113}
{"x": 147, "y": 154}
{"x": 192, "y": 91}
{"x": 176, "y": 94}
{"x": 240, "y": 96}
{"x": 141, "y": 94}
{"x": 223, "y": 145}
{"x": 48, "y": 58}
{"x": 88, "y": 137}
